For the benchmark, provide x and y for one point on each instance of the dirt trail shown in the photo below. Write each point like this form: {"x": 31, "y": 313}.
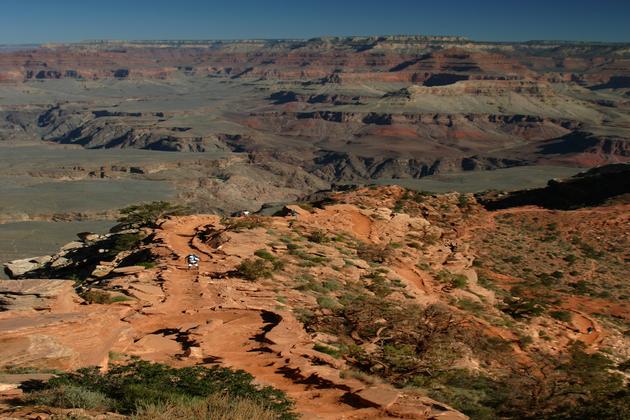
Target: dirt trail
{"x": 589, "y": 331}
{"x": 361, "y": 225}
{"x": 425, "y": 293}
{"x": 231, "y": 337}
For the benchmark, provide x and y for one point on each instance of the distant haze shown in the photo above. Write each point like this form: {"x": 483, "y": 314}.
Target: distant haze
{"x": 38, "y": 21}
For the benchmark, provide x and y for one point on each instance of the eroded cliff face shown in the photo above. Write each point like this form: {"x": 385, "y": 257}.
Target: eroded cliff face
{"x": 434, "y": 61}
{"x": 301, "y": 115}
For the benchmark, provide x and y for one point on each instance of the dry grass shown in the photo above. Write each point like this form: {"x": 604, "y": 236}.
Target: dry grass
{"x": 216, "y": 407}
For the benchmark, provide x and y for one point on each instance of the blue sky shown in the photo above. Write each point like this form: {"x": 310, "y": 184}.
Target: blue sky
{"x": 32, "y": 21}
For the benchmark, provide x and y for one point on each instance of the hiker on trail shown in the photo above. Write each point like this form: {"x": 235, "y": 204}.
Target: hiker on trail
{"x": 193, "y": 261}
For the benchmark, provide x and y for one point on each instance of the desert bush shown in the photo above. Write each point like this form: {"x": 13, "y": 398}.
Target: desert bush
{"x": 326, "y": 302}
{"x": 136, "y": 387}
{"x": 307, "y": 260}
{"x": 373, "y": 253}
{"x": 458, "y": 281}
{"x": 521, "y": 307}
{"x": 327, "y": 350}
{"x": 125, "y": 242}
{"x": 70, "y": 396}
{"x": 590, "y": 252}
{"x": 253, "y": 269}
{"x": 215, "y": 407}
{"x": 581, "y": 287}
{"x": 306, "y": 317}
{"x": 474, "y": 394}
{"x": 97, "y": 296}
{"x": 472, "y": 306}
{"x": 406, "y": 341}
{"x": 561, "y": 315}
{"x": 146, "y": 264}
{"x": 148, "y": 214}
{"x": 318, "y": 237}
{"x": 571, "y": 258}
{"x": 246, "y": 223}
{"x": 331, "y": 285}
{"x": 463, "y": 202}
{"x": 513, "y": 259}
{"x": 264, "y": 254}
{"x": 276, "y": 263}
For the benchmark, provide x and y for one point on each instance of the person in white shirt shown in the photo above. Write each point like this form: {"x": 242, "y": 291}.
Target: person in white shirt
{"x": 193, "y": 261}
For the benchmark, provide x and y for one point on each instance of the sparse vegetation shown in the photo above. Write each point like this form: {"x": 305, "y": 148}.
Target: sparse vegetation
{"x": 521, "y": 307}
{"x": 144, "y": 389}
{"x": 374, "y": 253}
{"x": 254, "y": 268}
{"x": 328, "y": 350}
{"x": 457, "y": 281}
{"x": 246, "y": 223}
{"x": 215, "y": 407}
{"x": 149, "y": 214}
{"x": 101, "y": 297}
{"x": 318, "y": 237}
{"x": 564, "y": 316}
{"x": 125, "y": 242}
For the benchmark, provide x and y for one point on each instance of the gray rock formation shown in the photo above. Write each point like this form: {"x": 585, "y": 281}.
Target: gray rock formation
{"x": 25, "y": 295}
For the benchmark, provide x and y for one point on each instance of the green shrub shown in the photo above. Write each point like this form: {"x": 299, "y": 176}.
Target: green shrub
{"x": 119, "y": 298}
{"x": 125, "y": 242}
{"x": 276, "y": 263}
{"x": 373, "y": 253}
{"x": 305, "y": 316}
{"x": 101, "y": 297}
{"x": 564, "y": 316}
{"x": 215, "y": 407}
{"x": 146, "y": 264}
{"x": 253, "y": 269}
{"x": 331, "y": 285}
{"x": 319, "y": 237}
{"x": 525, "y": 340}
{"x": 71, "y": 396}
{"x": 469, "y": 305}
{"x": 246, "y": 223}
{"x": 136, "y": 387}
{"x": 326, "y": 302}
{"x": 265, "y": 255}
{"x": 308, "y": 260}
{"x": 581, "y": 287}
{"x": 590, "y": 252}
{"x": 457, "y": 281}
{"x": 514, "y": 259}
{"x": 148, "y": 214}
{"x": 463, "y": 201}
{"x": 571, "y": 258}
{"x": 327, "y": 350}
{"x": 521, "y": 307}
{"x": 96, "y": 296}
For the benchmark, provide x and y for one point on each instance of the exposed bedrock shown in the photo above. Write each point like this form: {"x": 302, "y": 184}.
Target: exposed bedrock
{"x": 585, "y": 142}
{"x": 589, "y": 188}
{"x": 337, "y": 166}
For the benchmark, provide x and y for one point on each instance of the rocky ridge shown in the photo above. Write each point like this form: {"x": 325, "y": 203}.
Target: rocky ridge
{"x": 268, "y": 287}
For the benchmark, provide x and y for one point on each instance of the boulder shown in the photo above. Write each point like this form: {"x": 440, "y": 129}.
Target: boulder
{"x": 89, "y": 236}
{"x": 380, "y": 397}
{"x": 60, "y": 262}
{"x": 72, "y": 245}
{"x": 22, "y": 295}
{"x": 18, "y": 268}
